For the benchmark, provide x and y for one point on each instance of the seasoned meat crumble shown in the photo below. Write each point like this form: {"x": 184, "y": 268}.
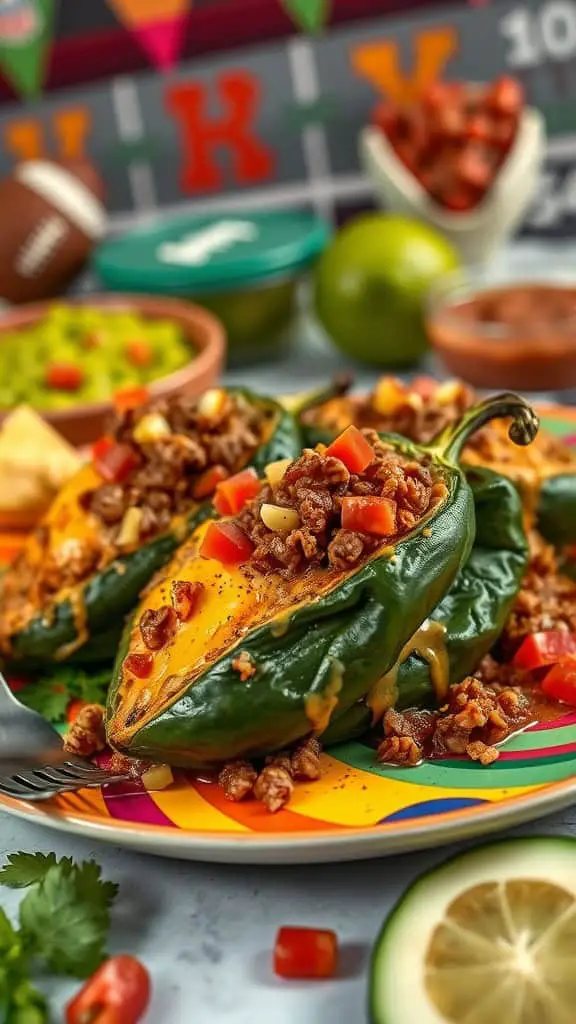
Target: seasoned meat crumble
{"x": 313, "y": 489}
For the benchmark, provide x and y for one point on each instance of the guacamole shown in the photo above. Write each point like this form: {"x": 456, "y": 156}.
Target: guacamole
{"x": 78, "y": 354}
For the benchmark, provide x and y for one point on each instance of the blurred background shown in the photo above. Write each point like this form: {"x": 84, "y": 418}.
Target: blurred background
{"x": 361, "y": 185}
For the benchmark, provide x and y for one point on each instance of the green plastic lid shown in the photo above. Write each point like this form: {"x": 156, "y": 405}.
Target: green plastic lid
{"x": 205, "y": 254}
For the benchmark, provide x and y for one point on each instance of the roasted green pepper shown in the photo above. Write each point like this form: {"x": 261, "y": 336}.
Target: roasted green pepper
{"x": 468, "y": 620}
{"x": 316, "y": 644}
{"x": 85, "y": 623}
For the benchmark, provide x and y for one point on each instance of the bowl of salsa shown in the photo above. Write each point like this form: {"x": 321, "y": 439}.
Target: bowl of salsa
{"x": 69, "y": 360}
{"x": 506, "y": 331}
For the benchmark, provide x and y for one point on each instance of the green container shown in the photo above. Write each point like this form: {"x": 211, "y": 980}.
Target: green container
{"x": 244, "y": 268}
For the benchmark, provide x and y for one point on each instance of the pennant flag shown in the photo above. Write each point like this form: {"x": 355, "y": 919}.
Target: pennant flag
{"x": 158, "y": 25}
{"x": 309, "y": 15}
{"x": 25, "y": 37}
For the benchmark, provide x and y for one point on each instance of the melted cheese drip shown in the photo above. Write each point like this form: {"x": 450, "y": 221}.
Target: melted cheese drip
{"x": 429, "y": 641}
{"x": 319, "y": 707}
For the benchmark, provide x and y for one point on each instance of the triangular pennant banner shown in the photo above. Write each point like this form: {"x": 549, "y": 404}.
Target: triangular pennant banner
{"x": 158, "y": 25}
{"x": 25, "y": 37}
{"x": 309, "y": 15}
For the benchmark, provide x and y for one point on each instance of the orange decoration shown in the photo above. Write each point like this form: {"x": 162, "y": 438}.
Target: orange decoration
{"x": 379, "y": 62}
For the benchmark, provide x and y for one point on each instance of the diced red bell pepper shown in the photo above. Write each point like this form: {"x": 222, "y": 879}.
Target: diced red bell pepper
{"x": 208, "y": 481}
{"x": 227, "y": 543}
{"x": 369, "y": 515}
{"x": 116, "y": 462}
{"x": 352, "y": 448}
{"x": 139, "y": 352}
{"x": 505, "y": 96}
{"x": 64, "y": 377}
{"x": 544, "y": 648}
{"x": 74, "y": 708}
{"x": 118, "y": 993}
{"x": 232, "y": 494}
{"x": 139, "y": 664}
{"x": 305, "y": 953}
{"x": 560, "y": 682}
{"x": 126, "y": 399}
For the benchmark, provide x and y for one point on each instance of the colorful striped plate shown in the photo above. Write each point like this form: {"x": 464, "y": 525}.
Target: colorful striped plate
{"x": 358, "y": 808}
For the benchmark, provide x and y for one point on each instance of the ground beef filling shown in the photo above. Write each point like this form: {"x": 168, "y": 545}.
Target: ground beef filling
{"x": 313, "y": 488}
{"x": 169, "y": 472}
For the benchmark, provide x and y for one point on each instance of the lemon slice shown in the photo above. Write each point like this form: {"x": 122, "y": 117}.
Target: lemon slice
{"x": 487, "y": 938}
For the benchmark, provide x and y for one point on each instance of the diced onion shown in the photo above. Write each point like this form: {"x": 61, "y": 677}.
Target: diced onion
{"x": 275, "y": 471}
{"x": 212, "y": 403}
{"x": 279, "y": 519}
{"x": 159, "y": 776}
{"x": 152, "y": 427}
{"x": 448, "y": 392}
{"x": 129, "y": 534}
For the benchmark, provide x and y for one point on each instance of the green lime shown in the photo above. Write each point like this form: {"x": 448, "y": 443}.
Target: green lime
{"x": 486, "y": 938}
{"x": 370, "y": 285}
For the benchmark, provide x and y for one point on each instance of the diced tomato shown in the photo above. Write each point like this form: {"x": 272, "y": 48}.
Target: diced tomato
{"x": 101, "y": 447}
{"x": 139, "y": 353}
{"x": 474, "y": 167}
{"x": 126, "y": 399}
{"x": 139, "y": 664}
{"x": 505, "y": 96}
{"x": 352, "y": 448}
{"x": 369, "y": 515}
{"x": 233, "y": 493}
{"x": 480, "y": 128}
{"x": 227, "y": 543}
{"x": 116, "y": 462}
{"x": 560, "y": 682}
{"x": 64, "y": 377}
{"x": 544, "y": 649}
{"x": 118, "y": 993}
{"x": 207, "y": 482}
{"x": 73, "y": 710}
{"x": 305, "y": 953}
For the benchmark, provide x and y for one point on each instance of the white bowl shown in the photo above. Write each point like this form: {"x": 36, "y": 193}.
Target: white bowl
{"x": 478, "y": 234}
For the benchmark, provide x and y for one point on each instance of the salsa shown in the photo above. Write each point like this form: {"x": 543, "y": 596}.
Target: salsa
{"x": 521, "y": 336}
{"x": 78, "y": 354}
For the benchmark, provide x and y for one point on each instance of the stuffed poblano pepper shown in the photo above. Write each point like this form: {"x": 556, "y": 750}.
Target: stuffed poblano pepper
{"x": 468, "y": 620}
{"x": 122, "y": 516}
{"x": 267, "y": 624}
{"x": 545, "y": 474}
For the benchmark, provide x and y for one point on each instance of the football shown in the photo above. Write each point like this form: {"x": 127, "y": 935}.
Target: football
{"x": 52, "y": 215}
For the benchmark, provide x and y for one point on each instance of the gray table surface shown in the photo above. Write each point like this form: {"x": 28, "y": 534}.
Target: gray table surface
{"x": 206, "y": 931}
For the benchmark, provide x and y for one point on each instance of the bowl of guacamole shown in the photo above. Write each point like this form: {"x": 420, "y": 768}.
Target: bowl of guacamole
{"x": 69, "y": 359}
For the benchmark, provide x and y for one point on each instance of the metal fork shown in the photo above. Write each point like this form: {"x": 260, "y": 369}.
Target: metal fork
{"x": 33, "y": 762}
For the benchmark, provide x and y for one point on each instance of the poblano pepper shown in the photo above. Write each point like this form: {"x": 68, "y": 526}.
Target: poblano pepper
{"x": 84, "y": 622}
{"x": 468, "y": 620}
{"x": 318, "y": 642}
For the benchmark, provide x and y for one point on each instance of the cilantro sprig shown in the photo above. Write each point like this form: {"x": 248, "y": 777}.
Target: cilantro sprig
{"x": 63, "y": 924}
{"x": 51, "y": 693}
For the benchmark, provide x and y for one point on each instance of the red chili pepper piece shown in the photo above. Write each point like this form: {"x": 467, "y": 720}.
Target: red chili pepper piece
{"x": 560, "y": 682}
{"x": 227, "y": 543}
{"x": 305, "y": 953}
{"x": 116, "y": 463}
{"x": 352, "y": 448}
{"x": 126, "y": 399}
{"x": 140, "y": 665}
{"x": 118, "y": 993}
{"x": 369, "y": 515}
{"x": 544, "y": 648}
{"x": 139, "y": 352}
{"x": 207, "y": 482}
{"x": 232, "y": 494}
{"x": 64, "y": 377}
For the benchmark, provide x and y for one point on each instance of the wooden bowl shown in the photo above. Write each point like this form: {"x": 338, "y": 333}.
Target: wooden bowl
{"x": 82, "y": 424}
